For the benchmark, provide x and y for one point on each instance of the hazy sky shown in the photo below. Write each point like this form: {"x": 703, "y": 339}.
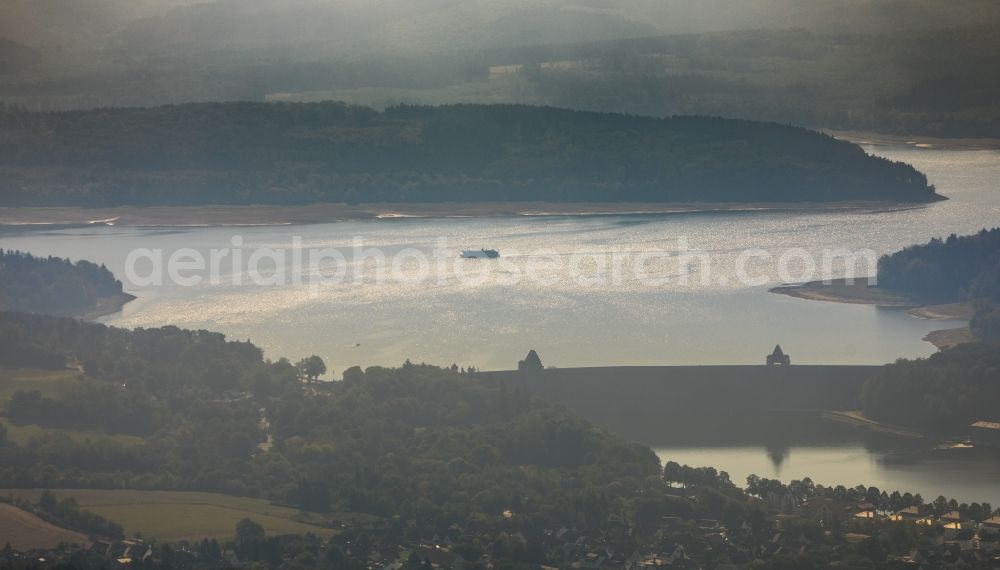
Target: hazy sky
{"x": 361, "y": 25}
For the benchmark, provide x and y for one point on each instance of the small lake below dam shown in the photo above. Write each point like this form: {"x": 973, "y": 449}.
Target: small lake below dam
{"x": 798, "y": 446}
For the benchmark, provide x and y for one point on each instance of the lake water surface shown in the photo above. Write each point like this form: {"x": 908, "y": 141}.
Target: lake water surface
{"x": 491, "y": 322}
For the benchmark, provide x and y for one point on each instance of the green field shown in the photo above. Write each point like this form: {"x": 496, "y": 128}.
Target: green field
{"x": 23, "y": 434}
{"x": 171, "y": 516}
{"x": 50, "y": 383}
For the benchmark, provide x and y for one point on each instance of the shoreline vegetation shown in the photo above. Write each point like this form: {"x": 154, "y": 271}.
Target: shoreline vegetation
{"x": 48, "y": 218}
{"x": 861, "y": 293}
{"x": 107, "y": 306}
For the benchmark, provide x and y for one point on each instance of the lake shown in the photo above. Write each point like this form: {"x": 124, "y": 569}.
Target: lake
{"x": 491, "y": 323}
{"x": 492, "y": 316}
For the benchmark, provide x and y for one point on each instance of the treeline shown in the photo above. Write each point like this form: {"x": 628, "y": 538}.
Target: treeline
{"x": 52, "y": 285}
{"x": 331, "y": 152}
{"x": 943, "y": 271}
{"x": 943, "y": 393}
{"x": 427, "y": 442}
{"x": 160, "y": 360}
{"x": 66, "y": 513}
{"x": 102, "y": 406}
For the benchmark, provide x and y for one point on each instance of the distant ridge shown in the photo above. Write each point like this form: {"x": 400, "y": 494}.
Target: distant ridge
{"x": 295, "y": 153}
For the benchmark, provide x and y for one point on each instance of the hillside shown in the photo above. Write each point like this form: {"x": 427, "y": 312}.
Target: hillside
{"x": 943, "y": 393}
{"x": 426, "y": 442}
{"x": 26, "y": 531}
{"x": 958, "y": 268}
{"x": 246, "y": 153}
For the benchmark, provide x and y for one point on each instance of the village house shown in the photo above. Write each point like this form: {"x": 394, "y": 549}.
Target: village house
{"x": 952, "y": 517}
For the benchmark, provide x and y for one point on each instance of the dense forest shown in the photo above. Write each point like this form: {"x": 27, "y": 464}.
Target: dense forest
{"x": 305, "y": 153}
{"x": 422, "y": 441}
{"x": 943, "y": 393}
{"x": 52, "y": 285}
{"x": 423, "y": 451}
{"x": 957, "y": 268}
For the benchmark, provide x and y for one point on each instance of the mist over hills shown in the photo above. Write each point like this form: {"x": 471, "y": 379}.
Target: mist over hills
{"x": 148, "y": 26}
{"x": 902, "y": 66}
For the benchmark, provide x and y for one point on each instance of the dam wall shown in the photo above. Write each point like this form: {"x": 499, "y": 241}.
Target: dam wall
{"x": 631, "y": 399}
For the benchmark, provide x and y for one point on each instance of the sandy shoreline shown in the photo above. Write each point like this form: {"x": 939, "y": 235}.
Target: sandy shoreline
{"x": 858, "y": 419}
{"x": 840, "y": 291}
{"x": 860, "y": 293}
{"x": 50, "y": 218}
{"x": 947, "y": 338}
{"x": 107, "y": 306}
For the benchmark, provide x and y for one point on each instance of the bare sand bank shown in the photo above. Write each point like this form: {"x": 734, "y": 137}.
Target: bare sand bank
{"x": 857, "y": 418}
{"x": 48, "y": 218}
{"x": 947, "y": 338}
{"x": 841, "y": 291}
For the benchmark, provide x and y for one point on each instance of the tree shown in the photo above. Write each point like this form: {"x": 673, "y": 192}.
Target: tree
{"x": 311, "y": 368}
{"x": 354, "y": 374}
{"x": 47, "y": 501}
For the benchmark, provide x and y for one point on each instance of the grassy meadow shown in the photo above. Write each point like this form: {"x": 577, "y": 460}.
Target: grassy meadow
{"x": 50, "y": 383}
{"x": 170, "y": 516}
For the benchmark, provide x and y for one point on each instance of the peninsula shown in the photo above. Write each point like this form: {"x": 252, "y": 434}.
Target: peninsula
{"x": 948, "y": 279}
{"x": 307, "y": 153}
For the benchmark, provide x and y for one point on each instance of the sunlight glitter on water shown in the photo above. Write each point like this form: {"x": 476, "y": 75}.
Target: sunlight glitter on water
{"x": 493, "y": 321}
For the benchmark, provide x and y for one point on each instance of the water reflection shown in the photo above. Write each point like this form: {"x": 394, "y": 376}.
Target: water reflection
{"x": 778, "y": 453}
{"x": 795, "y": 446}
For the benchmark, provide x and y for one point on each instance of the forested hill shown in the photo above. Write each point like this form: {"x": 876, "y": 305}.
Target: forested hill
{"x": 958, "y": 268}
{"x": 53, "y": 285}
{"x": 241, "y": 153}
